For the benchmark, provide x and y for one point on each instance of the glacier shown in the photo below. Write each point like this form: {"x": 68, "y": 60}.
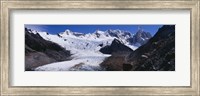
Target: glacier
{"x": 84, "y": 48}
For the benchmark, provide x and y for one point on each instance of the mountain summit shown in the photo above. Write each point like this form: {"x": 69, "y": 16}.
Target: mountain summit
{"x": 140, "y": 38}
{"x": 116, "y": 46}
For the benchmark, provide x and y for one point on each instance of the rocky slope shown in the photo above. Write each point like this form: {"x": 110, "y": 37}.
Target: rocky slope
{"x": 119, "y": 51}
{"x": 158, "y": 54}
{"x": 39, "y": 51}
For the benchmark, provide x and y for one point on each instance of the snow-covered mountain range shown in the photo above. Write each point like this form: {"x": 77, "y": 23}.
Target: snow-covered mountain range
{"x": 76, "y": 41}
{"x": 85, "y": 47}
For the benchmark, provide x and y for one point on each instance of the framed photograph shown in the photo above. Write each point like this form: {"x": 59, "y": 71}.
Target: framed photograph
{"x": 97, "y": 47}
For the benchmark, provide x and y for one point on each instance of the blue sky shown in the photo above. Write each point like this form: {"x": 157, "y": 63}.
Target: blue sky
{"x": 54, "y": 29}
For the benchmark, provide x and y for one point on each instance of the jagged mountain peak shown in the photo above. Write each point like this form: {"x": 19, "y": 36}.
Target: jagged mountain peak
{"x": 143, "y": 33}
{"x": 140, "y": 37}
{"x": 99, "y": 31}
{"x": 35, "y": 31}
{"x": 66, "y": 32}
{"x": 116, "y": 31}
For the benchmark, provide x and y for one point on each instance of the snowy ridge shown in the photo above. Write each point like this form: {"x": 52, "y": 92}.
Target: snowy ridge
{"x": 84, "y": 48}
{"x": 92, "y": 41}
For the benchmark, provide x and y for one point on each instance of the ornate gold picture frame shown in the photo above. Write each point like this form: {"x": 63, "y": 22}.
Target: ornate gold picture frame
{"x": 8, "y": 5}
